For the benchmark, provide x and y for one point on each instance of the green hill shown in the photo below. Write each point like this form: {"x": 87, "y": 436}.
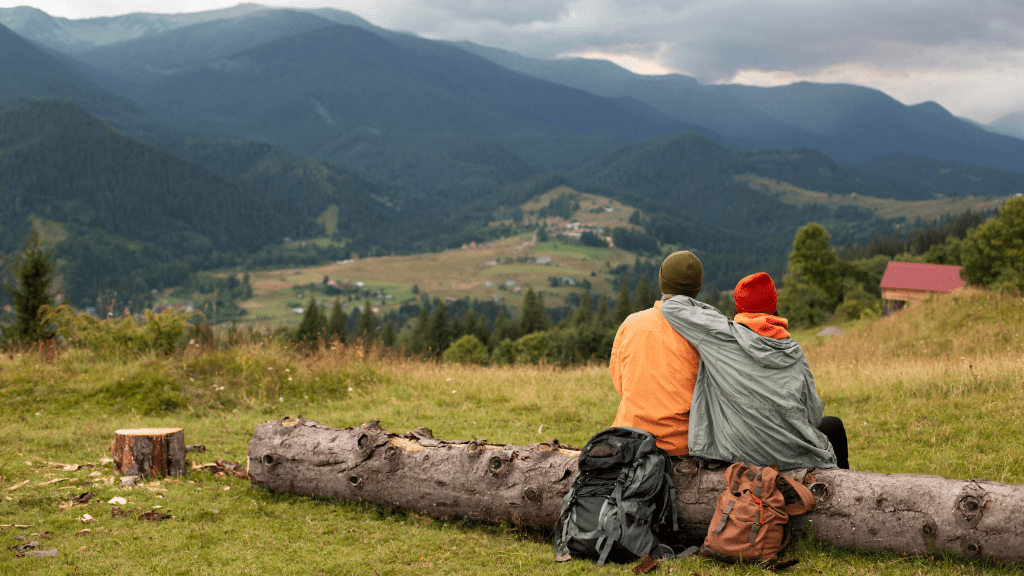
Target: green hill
{"x": 355, "y": 98}
{"x": 137, "y": 217}
{"x": 947, "y": 177}
{"x": 28, "y": 72}
{"x": 689, "y": 191}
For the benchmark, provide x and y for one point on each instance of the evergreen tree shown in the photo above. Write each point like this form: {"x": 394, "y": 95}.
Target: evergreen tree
{"x": 481, "y": 330}
{"x": 34, "y": 273}
{"x": 438, "y": 334}
{"x": 604, "y": 315}
{"x": 535, "y": 316}
{"x": 801, "y": 301}
{"x": 623, "y": 307}
{"x": 390, "y": 335}
{"x": 337, "y": 325}
{"x": 313, "y": 328}
{"x": 643, "y": 299}
{"x": 815, "y": 262}
{"x": 418, "y": 339}
{"x": 246, "y": 291}
{"x": 367, "y": 329}
{"x": 503, "y": 329}
{"x": 467, "y": 326}
{"x": 585, "y": 313}
{"x": 353, "y": 320}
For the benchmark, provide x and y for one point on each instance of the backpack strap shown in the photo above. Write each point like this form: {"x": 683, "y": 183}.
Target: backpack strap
{"x": 672, "y": 507}
{"x": 737, "y": 471}
{"x": 806, "y": 498}
{"x": 755, "y": 526}
{"x": 604, "y": 543}
{"x": 725, "y": 517}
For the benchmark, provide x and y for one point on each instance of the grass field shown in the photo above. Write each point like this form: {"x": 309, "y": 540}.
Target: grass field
{"x": 475, "y": 272}
{"x": 478, "y": 271}
{"x": 935, "y": 389}
{"x": 883, "y": 207}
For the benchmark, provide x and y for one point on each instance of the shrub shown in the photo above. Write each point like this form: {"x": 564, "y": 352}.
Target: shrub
{"x": 119, "y": 337}
{"x": 504, "y": 352}
{"x": 466, "y": 350}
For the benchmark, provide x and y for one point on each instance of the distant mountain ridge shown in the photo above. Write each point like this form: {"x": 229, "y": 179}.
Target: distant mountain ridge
{"x": 65, "y": 34}
{"x": 849, "y": 123}
{"x": 1010, "y": 124}
{"x": 27, "y": 72}
{"x": 262, "y": 136}
{"x": 331, "y": 92}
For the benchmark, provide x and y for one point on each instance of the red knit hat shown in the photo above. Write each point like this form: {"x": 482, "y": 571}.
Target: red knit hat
{"x": 756, "y": 294}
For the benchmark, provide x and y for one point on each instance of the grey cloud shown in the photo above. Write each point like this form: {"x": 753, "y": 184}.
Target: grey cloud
{"x": 507, "y": 12}
{"x": 713, "y": 40}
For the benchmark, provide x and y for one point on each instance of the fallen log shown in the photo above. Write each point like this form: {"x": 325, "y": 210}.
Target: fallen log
{"x": 524, "y": 485}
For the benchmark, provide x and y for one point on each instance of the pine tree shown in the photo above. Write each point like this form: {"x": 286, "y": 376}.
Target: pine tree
{"x": 535, "y": 316}
{"x": 418, "y": 340}
{"x": 814, "y": 259}
{"x": 337, "y": 325}
{"x": 604, "y": 315}
{"x": 585, "y": 313}
{"x": 643, "y": 299}
{"x": 468, "y": 324}
{"x": 503, "y": 329}
{"x": 481, "y": 330}
{"x": 438, "y": 334}
{"x": 313, "y": 328}
{"x": 623, "y": 307}
{"x": 390, "y": 334}
{"x": 246, "y": 291}
{"x": 34, "y": 272}
{"x": 367, "y": 329}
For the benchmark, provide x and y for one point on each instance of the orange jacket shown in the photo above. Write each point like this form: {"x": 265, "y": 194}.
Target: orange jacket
{"x": 654, "y": 369}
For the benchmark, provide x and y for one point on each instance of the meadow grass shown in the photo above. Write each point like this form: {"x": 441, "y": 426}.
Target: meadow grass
{"x": 936, "y": 389}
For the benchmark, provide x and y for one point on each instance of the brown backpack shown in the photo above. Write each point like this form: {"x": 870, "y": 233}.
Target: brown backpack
{"x": 750, "y": 521}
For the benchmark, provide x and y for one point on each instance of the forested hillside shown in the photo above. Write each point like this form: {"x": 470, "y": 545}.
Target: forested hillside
{"x": 256, "y": 137}
{"x": 28, "y": 72}
{"x": 339, "y": 91}
{"x": 141, "y": 214}
{"x": 135, "y": 217}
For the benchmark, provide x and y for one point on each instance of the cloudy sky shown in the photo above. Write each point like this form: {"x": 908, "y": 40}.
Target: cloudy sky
{"x": 967, "y": 56}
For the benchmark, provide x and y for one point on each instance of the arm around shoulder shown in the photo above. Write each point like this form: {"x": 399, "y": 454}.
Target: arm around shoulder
{"x": 692, "y": 319}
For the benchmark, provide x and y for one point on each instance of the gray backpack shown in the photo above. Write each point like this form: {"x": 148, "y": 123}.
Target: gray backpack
{"x": 622, "y": 502}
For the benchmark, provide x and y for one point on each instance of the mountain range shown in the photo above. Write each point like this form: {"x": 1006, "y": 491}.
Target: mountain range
{"x": 166, "y": 143}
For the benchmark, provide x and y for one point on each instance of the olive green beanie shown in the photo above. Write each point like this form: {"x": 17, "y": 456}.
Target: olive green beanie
{"x": 681, "y": 273}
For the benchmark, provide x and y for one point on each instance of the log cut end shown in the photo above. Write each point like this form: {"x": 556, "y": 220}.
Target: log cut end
{"x": 149, "y": 452}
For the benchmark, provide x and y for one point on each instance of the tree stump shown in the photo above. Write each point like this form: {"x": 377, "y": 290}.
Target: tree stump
{"x": 524, "y": 485}
{"x": 149, "y": 452}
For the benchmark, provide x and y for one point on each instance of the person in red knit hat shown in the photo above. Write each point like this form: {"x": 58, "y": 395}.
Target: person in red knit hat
{"x": 757, "y": 308}
{"x": 754, "y": 399}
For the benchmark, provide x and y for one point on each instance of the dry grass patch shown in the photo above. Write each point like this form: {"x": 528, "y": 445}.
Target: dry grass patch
{"x": 882, "y": 207}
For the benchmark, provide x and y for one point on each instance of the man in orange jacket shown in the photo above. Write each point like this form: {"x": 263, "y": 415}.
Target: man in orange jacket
{"x": 653, "y": 368}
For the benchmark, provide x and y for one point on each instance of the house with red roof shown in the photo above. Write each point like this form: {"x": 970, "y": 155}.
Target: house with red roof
{"x": 909, "y": 281}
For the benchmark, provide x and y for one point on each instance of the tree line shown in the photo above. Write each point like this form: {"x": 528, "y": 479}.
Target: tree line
{"x": 820, "y": 281}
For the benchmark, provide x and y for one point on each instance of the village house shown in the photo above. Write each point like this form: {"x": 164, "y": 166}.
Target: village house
{"x": 905, "y": 282}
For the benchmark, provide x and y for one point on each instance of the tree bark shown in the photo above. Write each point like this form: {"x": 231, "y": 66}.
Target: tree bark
{"x": 149, "y": 452}
{"x": 524, "y": 485}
